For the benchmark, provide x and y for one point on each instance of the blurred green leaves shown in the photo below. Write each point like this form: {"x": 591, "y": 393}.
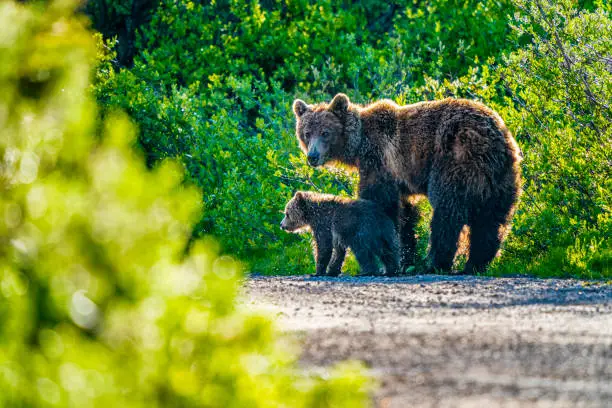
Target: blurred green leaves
{"x": 101, "y": 303}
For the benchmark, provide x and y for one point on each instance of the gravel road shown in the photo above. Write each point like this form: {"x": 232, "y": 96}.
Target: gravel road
{"x": 450, "y": 341}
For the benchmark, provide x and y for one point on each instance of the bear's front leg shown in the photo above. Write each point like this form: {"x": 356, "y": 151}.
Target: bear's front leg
{"x": 366, "y": 259}
{"x": 381, "y": 189}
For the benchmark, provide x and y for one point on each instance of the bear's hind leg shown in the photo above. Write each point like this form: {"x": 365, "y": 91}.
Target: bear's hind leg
{"x": 485, "y": 239}
{"x": 322, "y": 260}
{"x": 446, "y": 225}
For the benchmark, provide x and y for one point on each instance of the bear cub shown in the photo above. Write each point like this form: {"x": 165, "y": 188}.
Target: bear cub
{"x": 339, "y": 223}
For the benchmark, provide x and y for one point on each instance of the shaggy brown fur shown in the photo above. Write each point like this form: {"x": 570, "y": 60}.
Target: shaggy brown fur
{"x": 338, "y": 224}
{"x": 457, "y": 152}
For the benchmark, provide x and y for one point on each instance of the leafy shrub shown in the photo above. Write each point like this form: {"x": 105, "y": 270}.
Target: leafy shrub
{"x": 212, "y": 85}
{"x": 99, "y": 301}
{"x": 554, "y": 94}
{"x": 120, "y": 20}
{"x": 443, "y": 39}
{"x": 561, "y": 85}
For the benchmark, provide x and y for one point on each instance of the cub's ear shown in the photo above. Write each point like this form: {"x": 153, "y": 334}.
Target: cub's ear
{"x": 301, "y": 199}
{"x": 339, "y": 104}
{"x": 299, "y": 107}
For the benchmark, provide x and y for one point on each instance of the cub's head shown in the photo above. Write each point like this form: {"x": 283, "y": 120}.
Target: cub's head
{"x": 327, "y": 132}
{"x": 295, "y": 214}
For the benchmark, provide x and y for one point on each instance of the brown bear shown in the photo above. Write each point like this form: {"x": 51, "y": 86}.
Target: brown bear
{"x": 457, "y": 152}
{"x": 340, "y": 223}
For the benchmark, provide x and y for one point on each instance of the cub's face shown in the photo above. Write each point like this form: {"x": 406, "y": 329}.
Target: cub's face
{"x": 294, "y": 220}
{"x": 320, "y": 129}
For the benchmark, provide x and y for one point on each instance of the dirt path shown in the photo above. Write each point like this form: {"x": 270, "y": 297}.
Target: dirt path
{"x": 441, "y": 341}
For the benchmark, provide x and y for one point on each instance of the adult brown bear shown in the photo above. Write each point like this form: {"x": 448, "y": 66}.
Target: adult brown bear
{"x": 457, "y": 152}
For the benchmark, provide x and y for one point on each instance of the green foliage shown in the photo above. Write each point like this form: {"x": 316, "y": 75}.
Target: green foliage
{"x": 120, "y": 20}
{"x": 444, "y": 38}
{"x": 100, "y": 302}
{"x": 562, "y": 87}
{"x": 212, "y": 85}
{"x": 554, "y": 94}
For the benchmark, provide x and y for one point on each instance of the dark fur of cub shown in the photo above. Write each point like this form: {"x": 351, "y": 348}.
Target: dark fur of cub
{"x": 338, "y": 224}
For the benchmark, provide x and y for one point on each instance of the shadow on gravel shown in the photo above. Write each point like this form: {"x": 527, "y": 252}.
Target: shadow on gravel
{"x": 473, "y": 292}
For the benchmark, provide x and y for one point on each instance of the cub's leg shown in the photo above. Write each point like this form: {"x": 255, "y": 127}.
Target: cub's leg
{"x": 408, "y": 218}
{"x": 323, "y": 252}
{"x": 337, "y": 259}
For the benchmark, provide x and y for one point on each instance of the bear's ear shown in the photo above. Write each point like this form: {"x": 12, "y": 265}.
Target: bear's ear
{"x": 299, "y": 107}
{"x": 339, "y": 104}
{"x": 299, "y": 200}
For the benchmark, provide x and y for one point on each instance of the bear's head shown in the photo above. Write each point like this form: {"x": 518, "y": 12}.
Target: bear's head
{"x": 295, "y": 219}
{"x": 328, "y": 132}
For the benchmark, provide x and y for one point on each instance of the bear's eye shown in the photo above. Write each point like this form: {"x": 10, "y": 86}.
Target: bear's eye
{"x": 325, "y": 134}
{"x": 306, "y": 135}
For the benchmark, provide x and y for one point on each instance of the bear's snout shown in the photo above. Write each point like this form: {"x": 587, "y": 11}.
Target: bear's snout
{"x": 313, "y": 158}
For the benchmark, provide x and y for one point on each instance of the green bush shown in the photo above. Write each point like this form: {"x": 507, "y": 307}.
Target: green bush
{"x": 212, "y": 85}
{"x": 561, "y": 87}
{"x": 101, "y": 304}
{"x": 554, "y": 94}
